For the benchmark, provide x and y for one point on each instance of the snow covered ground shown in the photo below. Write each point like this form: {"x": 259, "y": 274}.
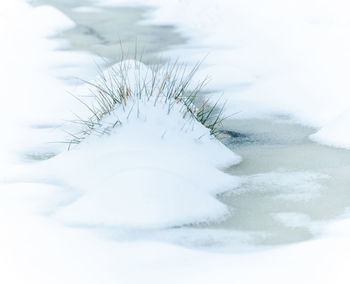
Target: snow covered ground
{"x": 52, "y": 211}
{"x": 272, "y": 57}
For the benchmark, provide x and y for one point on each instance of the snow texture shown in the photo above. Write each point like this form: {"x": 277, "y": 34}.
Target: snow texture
{"x": 48, "y": 210}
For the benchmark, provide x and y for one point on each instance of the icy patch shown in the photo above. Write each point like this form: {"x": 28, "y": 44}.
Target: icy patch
{"x": 86, "y": 9}
{"x": 292, "y": 219}
{"x": 297, "y": 186}
{"x": 298, "y": 220}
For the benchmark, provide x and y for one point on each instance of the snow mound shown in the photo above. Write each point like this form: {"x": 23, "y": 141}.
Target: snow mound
{"x": 155, "y": 169}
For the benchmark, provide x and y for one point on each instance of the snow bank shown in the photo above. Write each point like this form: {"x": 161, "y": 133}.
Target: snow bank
{"x": 336, "y": 132}
{"x": 270, "y": 57}
{"x": 30, "y": 95}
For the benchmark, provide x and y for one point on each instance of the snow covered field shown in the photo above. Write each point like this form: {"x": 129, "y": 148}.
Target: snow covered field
{"x": 94, "y": 214}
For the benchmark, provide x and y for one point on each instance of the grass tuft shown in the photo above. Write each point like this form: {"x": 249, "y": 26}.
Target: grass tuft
{"x": 124, "y": 87}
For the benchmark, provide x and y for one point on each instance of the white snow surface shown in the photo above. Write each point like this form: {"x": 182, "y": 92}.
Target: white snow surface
{"x": 39, "y": 200}
{"x": 336, "y": 132}
{"x": 271, "y": 57}
{"x": 156, "y": 169}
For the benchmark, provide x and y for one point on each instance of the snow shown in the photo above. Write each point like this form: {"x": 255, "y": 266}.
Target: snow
{"x": 152, "y": 183}
{"x": 335, "y": 133}
{"x": 30, "y": 95}
{"x": 152, "y": 172}
{"x": 271, "y": 57}
{"x": 148, "y": 172}
{"x": 51, "y": 211}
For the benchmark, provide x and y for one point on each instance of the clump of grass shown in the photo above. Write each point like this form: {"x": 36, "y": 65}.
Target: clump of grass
{"x": 122, "y": 88}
